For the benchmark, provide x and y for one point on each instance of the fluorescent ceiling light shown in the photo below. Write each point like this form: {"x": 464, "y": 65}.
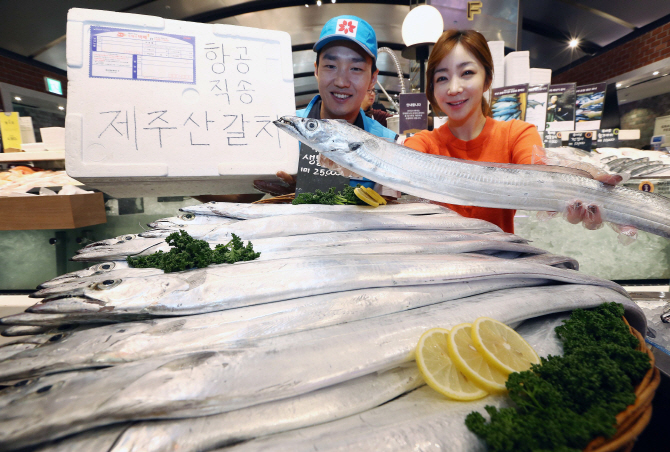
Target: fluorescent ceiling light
{"x": 17, "y": 98}
{"x": 655, "y": 73}
{"x": 618, "y": 85}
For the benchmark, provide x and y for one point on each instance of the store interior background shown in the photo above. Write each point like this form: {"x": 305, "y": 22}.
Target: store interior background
{"x": 621, "y": 42}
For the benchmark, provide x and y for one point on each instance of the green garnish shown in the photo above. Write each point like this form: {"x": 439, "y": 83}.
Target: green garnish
{"x": 188, "y": 252}
{"x": 566, "y": 401}
{"x": 331, "y": 197}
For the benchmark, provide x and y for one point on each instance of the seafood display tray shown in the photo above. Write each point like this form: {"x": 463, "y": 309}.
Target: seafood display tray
{"x": 31, "y": 156}
{"x": 51, "y": 212}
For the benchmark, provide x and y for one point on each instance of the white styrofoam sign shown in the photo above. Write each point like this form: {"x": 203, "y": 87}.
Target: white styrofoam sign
{"x": 150, "y": 97}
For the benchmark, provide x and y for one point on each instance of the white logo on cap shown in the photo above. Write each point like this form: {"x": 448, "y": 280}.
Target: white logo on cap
{"x": 347, "y": 27}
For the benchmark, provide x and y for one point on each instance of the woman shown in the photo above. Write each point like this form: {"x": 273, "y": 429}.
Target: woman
{"x": 460, "y": 70}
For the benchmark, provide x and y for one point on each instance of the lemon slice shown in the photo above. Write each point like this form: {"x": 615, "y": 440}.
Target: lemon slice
{"x": 439, "y": 371}
{"x": 362, "y": 195}
{"x": 469, "y": 361}
{"x": 374, "y": 195}
{"x": 502, "y": 347}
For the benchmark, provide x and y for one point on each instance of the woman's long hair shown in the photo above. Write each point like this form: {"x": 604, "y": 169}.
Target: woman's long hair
{"x": 475, "y": 43}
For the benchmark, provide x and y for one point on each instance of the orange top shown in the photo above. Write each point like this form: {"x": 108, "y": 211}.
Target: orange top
{"x": 499, "y": 141}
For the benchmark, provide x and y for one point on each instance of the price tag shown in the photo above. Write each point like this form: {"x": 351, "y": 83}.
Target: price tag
{"x": 10, "y": 129}
{"x": 311, "y": 175}
{"x": 581, "y": 140}
{"x": 608, "y": 138}
{"x": 552, "y": 139}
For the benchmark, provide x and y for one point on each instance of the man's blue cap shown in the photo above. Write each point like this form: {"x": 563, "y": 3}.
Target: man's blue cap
{"x": 352, "y": 28}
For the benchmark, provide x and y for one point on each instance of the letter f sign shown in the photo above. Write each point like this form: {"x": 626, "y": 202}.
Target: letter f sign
{"x": 474, "y": 8}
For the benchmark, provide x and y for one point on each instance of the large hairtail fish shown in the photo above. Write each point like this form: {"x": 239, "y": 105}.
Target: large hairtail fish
{"x": 469, "y": 183}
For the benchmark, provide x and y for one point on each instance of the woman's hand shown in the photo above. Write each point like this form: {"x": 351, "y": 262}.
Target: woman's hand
{"x": 590, "y": 215}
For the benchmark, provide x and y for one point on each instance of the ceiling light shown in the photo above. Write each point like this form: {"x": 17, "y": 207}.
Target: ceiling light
{"x": 318, "y": 2}
{"x": 60, "y": 107}
{"x": 574, "y": 42}
{"x": 422, "y": 24}
{"x": 618, "y": 85}
{"x": 306, "y": 5}
{"x": 655, "y": 73}
{"x": 17, "y": 98}
{"x": 332, "y": 1}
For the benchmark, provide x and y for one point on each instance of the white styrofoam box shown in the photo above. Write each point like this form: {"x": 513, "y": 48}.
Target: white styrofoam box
{"x": 158, "y": 106}
{"x": 53, "y": 138}
{"x": 497, "y": 49}
{"x": 539, "y": 76}
{"x": 517, "y": 68}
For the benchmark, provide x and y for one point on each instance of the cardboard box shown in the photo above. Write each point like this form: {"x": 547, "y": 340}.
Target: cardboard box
{"x": 51, "y": 212}
{"x": 175, "y": 108}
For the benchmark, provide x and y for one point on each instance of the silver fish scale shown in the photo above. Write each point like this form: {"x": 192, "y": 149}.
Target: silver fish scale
{"x": 304, "y": 224}
{"x": 222, "y": 380}
{"x": 243, "y": 284}
{"x": 472, "y": 183}
{"x": 251, "y": 211}
{"x": 314, "y": 408}
{"x": 134, "y": 341}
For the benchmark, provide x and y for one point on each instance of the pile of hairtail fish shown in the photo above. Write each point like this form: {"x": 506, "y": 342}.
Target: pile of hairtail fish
{"x": 309, "y": 347}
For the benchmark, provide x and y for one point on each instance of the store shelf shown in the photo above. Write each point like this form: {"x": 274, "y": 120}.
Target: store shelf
{"x": 32, "y": 156}
{"x": 51, "y": 212}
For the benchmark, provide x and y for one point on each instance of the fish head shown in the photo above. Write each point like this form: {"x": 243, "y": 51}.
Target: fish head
{"x": 324, "y": 135}
{"x": 120, "y": 250}
{"x": 71, "y": 285}
{"x": 112, "y": 241}
{"x": 97, "y": 269}
{"x": 180, "y": 221}
{"x": 115, "y": 294}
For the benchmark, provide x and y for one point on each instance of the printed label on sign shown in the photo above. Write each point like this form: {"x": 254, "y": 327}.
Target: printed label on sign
{"x": 413, "y": 113}
{"x": 10, "y": 130}
{"x": 581, "y": 140}
{"x": 312, "y": 176}
{"x": 608, "y": 138}
{"x": 552, "y": 139}
{"x": 140, "y": 55}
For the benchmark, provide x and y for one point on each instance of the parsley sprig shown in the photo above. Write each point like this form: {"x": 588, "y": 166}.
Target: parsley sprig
{"x": 188, "y": 253}
{"x": 566, "y": 401}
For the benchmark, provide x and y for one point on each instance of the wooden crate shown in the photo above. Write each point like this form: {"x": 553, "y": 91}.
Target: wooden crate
{"x": 51, "y": 212}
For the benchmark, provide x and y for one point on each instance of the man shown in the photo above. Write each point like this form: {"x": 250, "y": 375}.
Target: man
{"x": 345, "y": 70}
{"x": 371, "y": 112}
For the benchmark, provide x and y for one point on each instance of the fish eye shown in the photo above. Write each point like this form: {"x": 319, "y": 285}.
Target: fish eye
{"x": 106, "y": 266}
{"x": 106, "y": 284}
{"x": 311, "y": 124}
{"x": 128, "y": 237}
{"x": 187, "y": 216}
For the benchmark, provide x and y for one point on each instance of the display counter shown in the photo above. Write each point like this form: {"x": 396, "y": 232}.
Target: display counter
{"x": 599, "y": 252}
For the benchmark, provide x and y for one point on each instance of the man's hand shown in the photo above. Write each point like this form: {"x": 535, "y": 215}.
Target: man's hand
{"x": 283, "y": 186}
